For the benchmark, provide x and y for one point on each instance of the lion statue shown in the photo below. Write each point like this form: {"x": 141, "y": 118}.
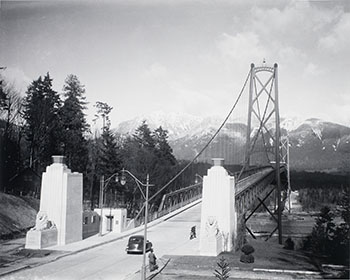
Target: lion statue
{"x": 211, "y": 227}
{"x": 42, "y": 222}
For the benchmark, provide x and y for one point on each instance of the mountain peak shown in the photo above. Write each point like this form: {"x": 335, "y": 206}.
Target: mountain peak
{"x": 177, "y": 124}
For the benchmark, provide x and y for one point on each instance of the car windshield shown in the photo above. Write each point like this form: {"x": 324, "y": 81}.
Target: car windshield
{"x": 136, "y": 239}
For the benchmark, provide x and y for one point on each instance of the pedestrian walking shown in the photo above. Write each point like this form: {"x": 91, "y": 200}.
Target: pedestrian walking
{"x": 193, "y": 232}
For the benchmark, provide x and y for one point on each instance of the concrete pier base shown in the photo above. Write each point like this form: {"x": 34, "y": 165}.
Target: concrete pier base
{"x": 39, "y": 239}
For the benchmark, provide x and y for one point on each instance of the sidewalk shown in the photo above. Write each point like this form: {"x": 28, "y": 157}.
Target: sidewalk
{"x": 14, "y": 257}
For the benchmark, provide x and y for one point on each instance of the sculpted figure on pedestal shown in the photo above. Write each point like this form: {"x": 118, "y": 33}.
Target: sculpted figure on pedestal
{"x": 42, "y": 222}
{"x": 211, "y": 227}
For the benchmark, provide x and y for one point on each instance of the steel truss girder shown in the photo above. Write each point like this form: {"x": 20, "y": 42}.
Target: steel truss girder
{"x": 180, "y": 195}
{"x": 273, "y": 188}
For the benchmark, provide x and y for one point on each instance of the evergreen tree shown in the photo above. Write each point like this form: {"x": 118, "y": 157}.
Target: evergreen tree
{"x": 143, "y": 137}
{"x": 109, "y": 156}
{"x": 103, "y": 111}
{"x": 163, "y": 149}
{"x": 341, "y": 244}
{"x": 148, "y": 152}
{"x": 139, "y": 151}
{"x": 328, "y": 239}
{"x": 74, "y": 124}
{"x": 165, "y": 166}
{"x": 323, "y": 231}
{"x": 43, "y": 130}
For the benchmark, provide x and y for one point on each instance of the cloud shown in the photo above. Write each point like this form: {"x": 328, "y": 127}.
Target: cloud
{"x": 312, "y": 70}
{"x": 336, "y": 41}
{"x": 156, "y": 71}
{"x": 302, "y": 28}
{"x": 188, "y": 99}
{"x": 241, "y": 47}
{"x": 297, "y": 24}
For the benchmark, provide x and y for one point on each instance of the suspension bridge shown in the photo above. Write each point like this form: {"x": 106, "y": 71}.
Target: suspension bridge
{"x": 250, "y": 139}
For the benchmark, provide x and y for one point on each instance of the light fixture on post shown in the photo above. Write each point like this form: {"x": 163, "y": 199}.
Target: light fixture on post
{"x": 123, "y": 179}
{"x": 103, "y": 186}
{"x": 145, "y": 196}
{"x": 196, "y": 181}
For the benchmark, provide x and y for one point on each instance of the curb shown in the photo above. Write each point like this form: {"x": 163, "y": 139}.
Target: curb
{"x": 289, "y": 271}
{"x": 16, "y": 269}
{"x": 159, "y": 271}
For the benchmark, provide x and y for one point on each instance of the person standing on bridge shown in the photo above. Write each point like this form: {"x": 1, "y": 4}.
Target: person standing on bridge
{"x": 193, "y": 232}
{"x": 152, "y": 261}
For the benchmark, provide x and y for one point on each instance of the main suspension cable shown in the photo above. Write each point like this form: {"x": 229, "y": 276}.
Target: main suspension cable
{"x": 211, "y": 139}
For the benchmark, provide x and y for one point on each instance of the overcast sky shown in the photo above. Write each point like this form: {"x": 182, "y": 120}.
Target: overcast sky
{"x": 183, "y": 56}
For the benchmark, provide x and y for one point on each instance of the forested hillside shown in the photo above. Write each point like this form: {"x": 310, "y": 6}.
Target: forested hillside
{"x": 17, "y": 215}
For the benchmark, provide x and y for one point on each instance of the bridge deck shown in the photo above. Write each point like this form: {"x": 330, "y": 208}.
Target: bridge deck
{"x": 252, "y": 179}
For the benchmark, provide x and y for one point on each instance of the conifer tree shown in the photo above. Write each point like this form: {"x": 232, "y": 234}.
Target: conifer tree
{"x": 43, "y": 130}
{"x": 143, "y": 136}
{"x": 165, "y": 164}
{"x": 163, "y": 149}
{"x": 148, "y": 152}
{"x": 109, "y": 156}
{"x": 74, "y": 124}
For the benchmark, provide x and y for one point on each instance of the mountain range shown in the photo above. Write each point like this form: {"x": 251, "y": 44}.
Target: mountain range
{"x": 314, "y": 144}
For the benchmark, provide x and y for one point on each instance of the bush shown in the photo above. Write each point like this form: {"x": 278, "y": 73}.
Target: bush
{"x": 329, "y": 240}
{"x": 247, "y": 249}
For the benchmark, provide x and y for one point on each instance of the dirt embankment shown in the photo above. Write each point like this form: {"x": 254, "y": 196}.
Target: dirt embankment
{"x": 17, "y": 215}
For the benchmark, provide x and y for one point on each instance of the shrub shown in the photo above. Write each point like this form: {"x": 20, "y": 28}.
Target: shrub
{"x": 328, "y": 239}
{"x": 223, "y": 272}
{"x": 247, "y": 249}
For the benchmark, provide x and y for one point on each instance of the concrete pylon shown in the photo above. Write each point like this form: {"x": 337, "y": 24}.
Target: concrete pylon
{"x": 218, "y": 217}
{"x": 59, "y": 220}
{"x": 62, "y": 200}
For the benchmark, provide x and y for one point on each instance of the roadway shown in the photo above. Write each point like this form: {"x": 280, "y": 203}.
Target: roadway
{"x": 251, "y": 179}
{"x": 110, "y": 261}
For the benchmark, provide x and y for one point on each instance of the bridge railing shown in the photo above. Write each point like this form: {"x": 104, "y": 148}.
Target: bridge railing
{"x": 173, "y": 201}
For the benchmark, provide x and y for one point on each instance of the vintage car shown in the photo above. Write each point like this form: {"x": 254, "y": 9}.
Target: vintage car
{"x": 135, "y": 244}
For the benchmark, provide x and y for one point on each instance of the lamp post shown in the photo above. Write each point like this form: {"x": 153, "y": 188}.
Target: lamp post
{"x": 103, "y": 187}
{"x": 145, "y": 196}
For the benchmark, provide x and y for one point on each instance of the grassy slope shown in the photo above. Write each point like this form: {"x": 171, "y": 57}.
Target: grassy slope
{"x": 17, "y": 214}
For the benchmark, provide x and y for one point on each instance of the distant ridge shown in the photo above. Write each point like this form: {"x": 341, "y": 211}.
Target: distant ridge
{"x": 315, "y": 144}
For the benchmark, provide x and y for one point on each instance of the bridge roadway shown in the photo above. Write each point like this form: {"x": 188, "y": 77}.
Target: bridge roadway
{"x": 252, "y": 179}
{"x": 110, "y": 261}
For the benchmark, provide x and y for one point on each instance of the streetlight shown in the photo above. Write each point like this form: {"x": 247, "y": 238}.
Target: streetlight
{"x": 145, "y": 196}
{"x": 196, "y": 180}
{"x": 103, "y": 186}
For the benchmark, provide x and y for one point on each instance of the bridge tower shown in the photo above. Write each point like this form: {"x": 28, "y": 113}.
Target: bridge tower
{"x": 263, "y": 140}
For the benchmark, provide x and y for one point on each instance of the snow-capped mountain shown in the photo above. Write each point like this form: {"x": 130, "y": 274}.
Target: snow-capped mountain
{"x": 314, "y": 144}
{"x": 320, "y": 145}
{"x": 178, "y": 125}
